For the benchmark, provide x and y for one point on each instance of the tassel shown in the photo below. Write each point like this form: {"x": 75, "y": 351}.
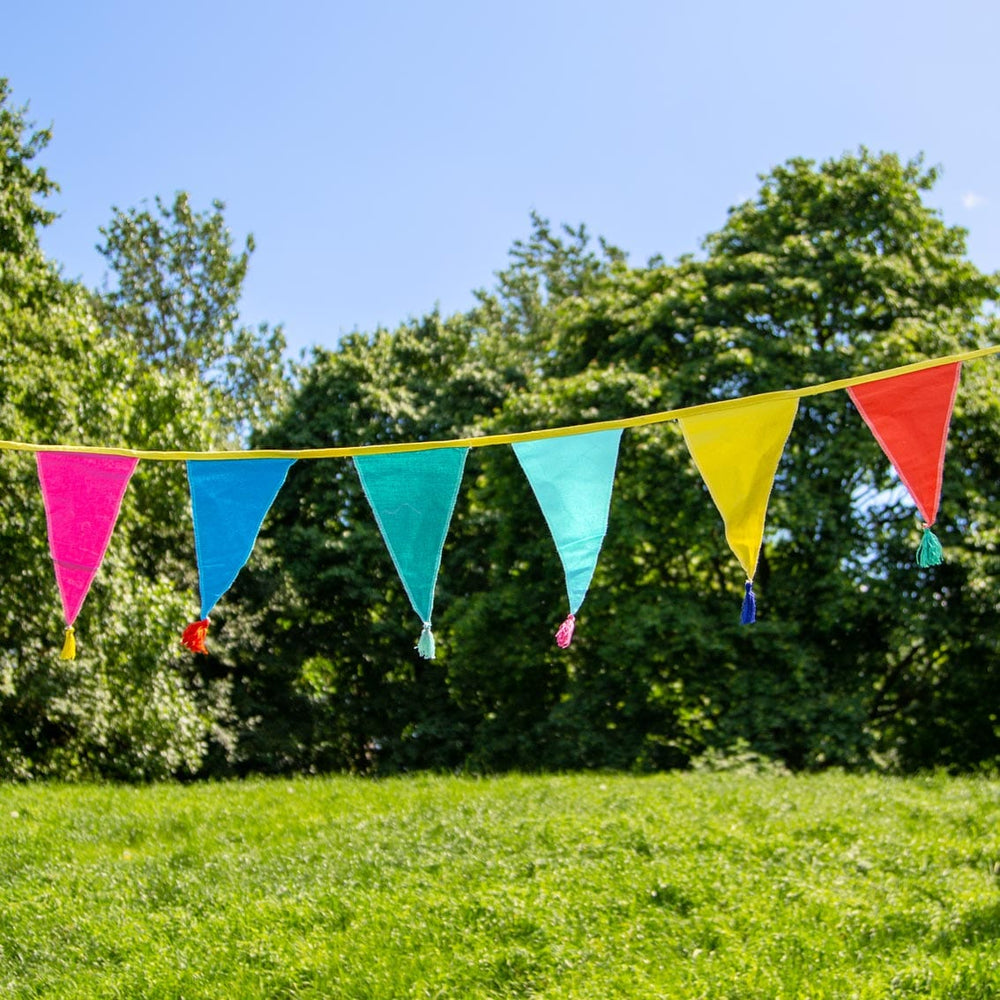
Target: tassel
{"x": 749, "y": 613}
{"x": 69, "y": 645}
{"x": 194, "y": 636}
{"x": 929, "y": 551}
{"x": 425, "y": 644}
{"x": 565, "y": 634}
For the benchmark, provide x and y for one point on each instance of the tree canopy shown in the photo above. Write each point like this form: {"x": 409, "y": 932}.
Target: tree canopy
{"x": 859, "y": 657}
{"x": 834, "y": 269}
{"x": 73, "y": 371}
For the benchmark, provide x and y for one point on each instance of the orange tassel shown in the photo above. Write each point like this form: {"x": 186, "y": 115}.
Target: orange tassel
{"x": 194, "y": 636}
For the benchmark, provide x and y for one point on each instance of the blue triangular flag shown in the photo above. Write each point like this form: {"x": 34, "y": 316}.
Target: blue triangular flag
{"x": 229, "y": 500}
{"x": 572, "y": 478}
{"x": 412, "y": 495}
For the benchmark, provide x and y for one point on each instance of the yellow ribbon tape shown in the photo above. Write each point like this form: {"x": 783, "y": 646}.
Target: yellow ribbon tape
{"x": 487, "y": 440}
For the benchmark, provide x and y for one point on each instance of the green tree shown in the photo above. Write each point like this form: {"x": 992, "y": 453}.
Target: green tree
{"x": 859, "y": 657}
{"x": 127, "y": 706}
{"x": 201, "y": 379}
{"x": 174, "y": 297}
{"x": 22, "y": 182}
{"x": 332, "y": 679}
{"x": 832, "y": 270}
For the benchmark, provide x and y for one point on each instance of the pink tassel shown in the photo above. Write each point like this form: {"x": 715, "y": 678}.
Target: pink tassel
{"x": 565, "y": 634}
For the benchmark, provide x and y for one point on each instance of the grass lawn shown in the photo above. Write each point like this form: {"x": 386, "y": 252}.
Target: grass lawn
{"x": 695, "y": 885}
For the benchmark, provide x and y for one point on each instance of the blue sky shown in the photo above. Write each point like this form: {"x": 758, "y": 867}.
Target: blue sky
{"x": 385, "y": 156}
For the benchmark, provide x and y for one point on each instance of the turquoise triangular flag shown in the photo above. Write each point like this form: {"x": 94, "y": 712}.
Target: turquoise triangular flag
{"x": 229, "y": 500}
{"x": 412, "y": 495}
{"x": 572, "y": 478}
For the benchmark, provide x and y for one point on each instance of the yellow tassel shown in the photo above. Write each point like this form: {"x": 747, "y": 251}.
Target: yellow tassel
{"x": 69, "y": 646}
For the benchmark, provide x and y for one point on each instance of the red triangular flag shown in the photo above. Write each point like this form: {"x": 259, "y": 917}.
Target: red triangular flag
{"x": 909, "y": 416}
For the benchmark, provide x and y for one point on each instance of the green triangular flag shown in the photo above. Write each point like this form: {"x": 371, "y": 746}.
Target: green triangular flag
{"x": 572, "y": 478}
{"x": 412, "y": 495}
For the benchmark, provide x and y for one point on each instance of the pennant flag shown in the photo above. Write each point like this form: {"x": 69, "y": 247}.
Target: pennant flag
{"x": 229, "y": 500}
{"x": 412, "y": 495}
{"x": 737, "y": 451}
{"x": 572, "y": 478}
{"x": 909, "y": 416}
{"x": 82, "y": 493}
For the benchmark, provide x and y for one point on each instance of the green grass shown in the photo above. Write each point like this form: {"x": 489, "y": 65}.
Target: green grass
{"x": 681, "y": 885}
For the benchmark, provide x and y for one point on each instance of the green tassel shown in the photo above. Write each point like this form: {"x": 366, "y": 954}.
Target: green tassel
{"x": 425, "y": 644}
{"x": 929, "y": 552}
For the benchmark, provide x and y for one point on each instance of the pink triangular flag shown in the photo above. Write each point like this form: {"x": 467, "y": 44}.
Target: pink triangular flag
{"x": 83, "y": 494}
{"x": 909, "y": 416}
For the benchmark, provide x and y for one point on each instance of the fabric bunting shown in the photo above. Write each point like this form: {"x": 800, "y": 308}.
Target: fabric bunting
{"x": 736, "y": 444}
{"x": 737, "y": 453}
{"x": 909, "y": 416}
{"x": 82, "y": 494}
{"x": 572, "y": 478}
{"x": 412, "y": 495}
{"x": 229, "y": 500}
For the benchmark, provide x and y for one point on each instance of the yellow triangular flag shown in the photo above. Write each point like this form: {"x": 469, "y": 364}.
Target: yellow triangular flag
{"x": 737, "y": 450}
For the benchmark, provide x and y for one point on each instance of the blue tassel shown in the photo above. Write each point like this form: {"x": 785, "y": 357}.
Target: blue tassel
{"x": 929, "y": 551}
{"x": 425, "y": 644}
{"x": 749, "y": 613}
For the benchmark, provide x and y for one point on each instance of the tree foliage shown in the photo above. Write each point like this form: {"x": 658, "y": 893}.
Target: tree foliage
{"x": 177, "y": 282}
{"x": 331, "y": 685}
{"x": 128, "y": 706}
{"x": 859, "y": 658}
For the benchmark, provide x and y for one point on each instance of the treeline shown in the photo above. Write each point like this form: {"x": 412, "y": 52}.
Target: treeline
{"x": 859, "y": 658}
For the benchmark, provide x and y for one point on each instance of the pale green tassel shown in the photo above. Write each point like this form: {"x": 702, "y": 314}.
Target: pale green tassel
{"x": 425, "y": 644}
{"x": 929, "y": 552}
